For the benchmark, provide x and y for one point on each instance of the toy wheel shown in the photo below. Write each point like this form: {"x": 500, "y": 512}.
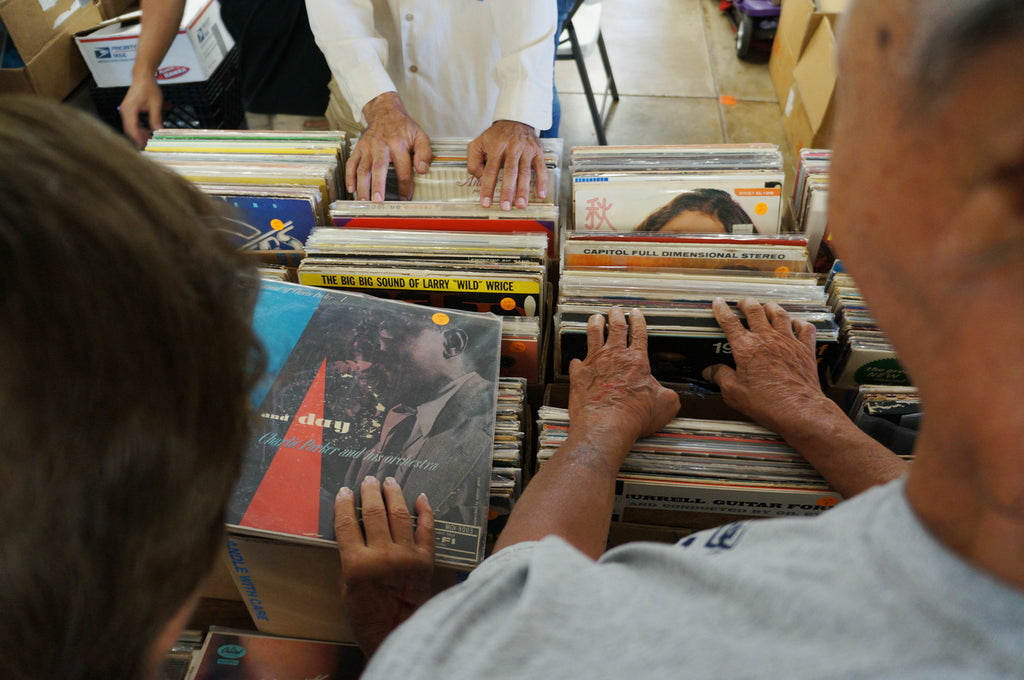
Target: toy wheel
{"x": 744, "y": 33}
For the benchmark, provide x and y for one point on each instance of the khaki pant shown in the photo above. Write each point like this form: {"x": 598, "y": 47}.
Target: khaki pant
{"x": 339, "y": 113}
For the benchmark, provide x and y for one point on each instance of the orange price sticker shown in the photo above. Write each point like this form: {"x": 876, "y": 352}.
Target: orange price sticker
{"x": 508, "y": 304}
{"x": 440, "y": 318}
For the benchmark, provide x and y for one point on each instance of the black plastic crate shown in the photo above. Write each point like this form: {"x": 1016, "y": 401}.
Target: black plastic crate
{"x": 214, "y": 103}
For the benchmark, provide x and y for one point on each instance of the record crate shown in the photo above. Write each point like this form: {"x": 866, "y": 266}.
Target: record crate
{"x": 214, "y": 103}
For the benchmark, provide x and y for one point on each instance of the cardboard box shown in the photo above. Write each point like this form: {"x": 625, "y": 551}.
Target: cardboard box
{"x": 212, "y": 103}
{"x": 53, "y": 66}
{"x": 794, "y": 20}
{"x": 198, "y": 49}
{"x": 220, "y": 584}
{"x": 293, "y": 589}
{"x": 32, "y": 24}
{"x": 807, "y": 114}
{"x": 797, "y": 23}
{"x": 780, "y": 68}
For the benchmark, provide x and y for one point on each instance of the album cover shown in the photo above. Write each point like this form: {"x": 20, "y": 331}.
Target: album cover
{"x": 246, "y": 655}
{"x": 357, "y": 386}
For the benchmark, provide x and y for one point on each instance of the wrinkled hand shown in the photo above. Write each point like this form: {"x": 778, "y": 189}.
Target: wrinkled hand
{"x": 143, "y": 96}
{"x": 513, "y": 150}
{"x": 385, "y": 576}
{"x": 613, "y": 398}
{"x": 391, "y": 137}
{"x": 776, "y": 374}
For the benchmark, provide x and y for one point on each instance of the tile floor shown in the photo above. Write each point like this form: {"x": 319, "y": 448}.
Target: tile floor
{"x": 678, "y": 76}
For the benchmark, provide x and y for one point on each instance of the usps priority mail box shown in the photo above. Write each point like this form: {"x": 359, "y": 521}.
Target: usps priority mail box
{"x": 200, "y": 46}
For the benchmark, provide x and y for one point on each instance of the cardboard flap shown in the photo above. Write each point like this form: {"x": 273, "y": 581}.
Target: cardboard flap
{"x": 33, "y": 23}
{"x": 815, "y": 73}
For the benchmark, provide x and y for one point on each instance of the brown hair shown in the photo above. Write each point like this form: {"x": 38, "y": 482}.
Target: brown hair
{"x": 714, "y": 202}
{"x": 128, "y": 357}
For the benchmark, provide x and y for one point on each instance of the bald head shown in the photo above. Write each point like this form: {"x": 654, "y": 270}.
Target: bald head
{"x": 950, "y": 34}
{"x": 928, "y": 167}
{"x": 926, "y": 209}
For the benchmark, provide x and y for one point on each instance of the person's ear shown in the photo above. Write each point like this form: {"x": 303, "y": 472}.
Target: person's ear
{"x": 996, "y": 203}
{"x": 455, "y": 342}
{"x": 1009, "y": 184}
{"x": 998, "y": 134}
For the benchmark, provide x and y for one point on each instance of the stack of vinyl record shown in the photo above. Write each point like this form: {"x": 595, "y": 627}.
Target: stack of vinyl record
{"x": 865, "y": 356}
{"x": 505, "y": 274}
{"x": 777, "y": 254}
{"x": 449, "y": 180}
{"x": 509, "y": 442}
{"x": 695, "y": 223}
{"x": 279, "y": 182}
{"x": 810, "y": 202}
{"x": 704, "y": 466}
{"x": 447, "y": 216}
{"x": 728, "y": 188}
{"x": 275, "y": 272}
{"x": 684, "y": 337}
{"x": 891, "y": 414}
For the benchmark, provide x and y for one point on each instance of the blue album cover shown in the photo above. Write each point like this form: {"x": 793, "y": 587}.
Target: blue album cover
{"x": 270, "y": 222}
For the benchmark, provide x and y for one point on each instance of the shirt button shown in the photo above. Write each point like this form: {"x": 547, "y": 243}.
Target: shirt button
{"x": 414, "y": 68}
{"x": 408, "y": 17}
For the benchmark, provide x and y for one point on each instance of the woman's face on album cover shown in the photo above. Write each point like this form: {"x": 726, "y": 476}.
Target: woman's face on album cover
{"x": 416, "y": 357}
{"x": 693, "y": 222}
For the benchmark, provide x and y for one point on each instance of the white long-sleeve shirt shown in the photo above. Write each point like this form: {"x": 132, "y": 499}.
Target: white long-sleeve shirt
{"x": 457, "y": 65}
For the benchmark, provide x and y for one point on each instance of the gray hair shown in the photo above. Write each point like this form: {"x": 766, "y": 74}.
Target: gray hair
{"x": 954, "y": 32}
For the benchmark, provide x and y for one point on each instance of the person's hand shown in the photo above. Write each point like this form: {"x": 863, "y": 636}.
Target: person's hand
{"x": 514, "y": 150}
{"x": 776, "y": 374}
{"x": 385, "y": 576}
{"x": 613, "y": 398}
{"x": 391, "y": 137}
{"x": 143, "y": 96}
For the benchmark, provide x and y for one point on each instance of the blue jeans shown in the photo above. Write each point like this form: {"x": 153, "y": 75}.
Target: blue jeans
{"x": 556, "y": 105}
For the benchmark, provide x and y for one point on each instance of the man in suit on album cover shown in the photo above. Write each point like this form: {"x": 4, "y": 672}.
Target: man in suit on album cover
{"x": 437, "y": 435}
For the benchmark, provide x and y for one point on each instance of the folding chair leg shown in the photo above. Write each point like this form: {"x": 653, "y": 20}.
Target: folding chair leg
{"x": 577, "y": 54}
{"x": 607, "y": 67}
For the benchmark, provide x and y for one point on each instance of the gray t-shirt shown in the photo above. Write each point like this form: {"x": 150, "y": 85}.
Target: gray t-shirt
{"x": 862, "y": 591}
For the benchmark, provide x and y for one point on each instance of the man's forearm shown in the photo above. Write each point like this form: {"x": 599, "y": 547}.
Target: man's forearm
{"x": 571, "y": 496}
{"x": 848, "y": 458}
{"x": 613, "y": 400}
{"x": 160, "y": 22}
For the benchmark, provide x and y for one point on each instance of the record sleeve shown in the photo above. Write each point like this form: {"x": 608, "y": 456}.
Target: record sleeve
{"x": 447, "y": 216}
{"x": 271, "y": 217}
{"x": 674, "y": 358}
{"x": 360, "y": 386}
{"x": 624, "y": 202}
{"x": 246, "y": 655}
{"x": 644, "y": 251}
